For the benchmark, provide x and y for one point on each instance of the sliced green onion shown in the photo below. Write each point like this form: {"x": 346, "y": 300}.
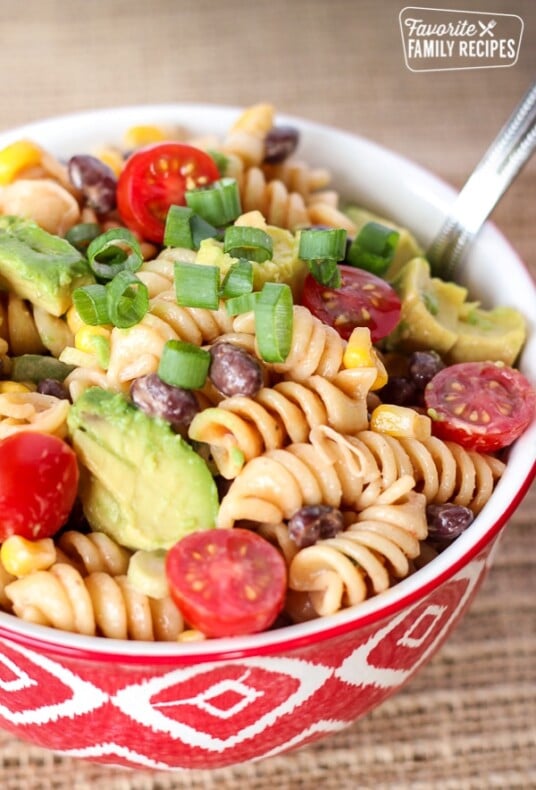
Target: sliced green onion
{"x": 218, "y": 204}
{"x": 186, "y": 229}
{"x": 237, "y": 305}
{"x": 238, "y": 280}
{"x": 373, "y": 248}
{"x": 177, "y": 230}
{"x": 274, "y": 321}
{"x": 197, "y": 285}
{"x": 81, "y": 235}
{"x": 114, "y": 251}
{"x": 220, "y": 159}
{"x": 184, "y": 365}
{"x": 202, "y": 230}
{"x": 91, "y": 304}
{"x": 322, "y": 244}
{"x": 254, "y": 244}
{"x": 326, "y": 273}
{"x": 128, "y": 299}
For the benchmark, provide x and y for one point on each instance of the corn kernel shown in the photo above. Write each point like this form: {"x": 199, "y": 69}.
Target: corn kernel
{"x": 16, "y": 157}
{"x": 400, "y": 421}
{"x": 21, "y": 556}
{"x": 112, "y": 158}
{"x": 140, "y": 135}
{"x": 94, "y": 340}
{"x": 360, "y": 353}
{"x": 13, "y": 386}
{"x": 84, "y": 338}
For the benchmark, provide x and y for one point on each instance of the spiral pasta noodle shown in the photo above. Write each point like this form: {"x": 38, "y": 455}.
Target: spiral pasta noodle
{"x": 273, "y": 486}
{"x": 32, "y": 411}
{"x": 316, "y": 348}
{"x": 280, "y": 415}
{"x": 97, "y": 604}
{"x": 93, "y": 552}
{"x": 366, "y": 558}
{"x": 443, "y": 471}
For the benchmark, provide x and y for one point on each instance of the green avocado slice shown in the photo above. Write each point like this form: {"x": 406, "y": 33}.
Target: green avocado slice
{"x": 40, "y": 267}
{"x": 140, "y": 482}
{"x": 435, "y": 314}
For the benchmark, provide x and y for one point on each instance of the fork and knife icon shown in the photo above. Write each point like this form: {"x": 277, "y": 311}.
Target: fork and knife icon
{"x": 486, "y": 28}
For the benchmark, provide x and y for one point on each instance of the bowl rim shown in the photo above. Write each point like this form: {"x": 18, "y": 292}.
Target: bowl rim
{"x": 376, "y": 609}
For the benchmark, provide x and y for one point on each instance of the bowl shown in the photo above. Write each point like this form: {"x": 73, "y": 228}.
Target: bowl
{"x": 199, "y": 705}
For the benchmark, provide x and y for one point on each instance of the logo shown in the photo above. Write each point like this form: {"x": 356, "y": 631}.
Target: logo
{"x": 438, "y": 39}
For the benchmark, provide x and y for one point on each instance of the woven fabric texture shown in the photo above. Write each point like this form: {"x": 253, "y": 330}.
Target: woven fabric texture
{"x": 468, "y": 719}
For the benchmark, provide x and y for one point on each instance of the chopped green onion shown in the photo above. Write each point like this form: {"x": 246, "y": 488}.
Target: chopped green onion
{"x": 184, "y": 365}
{"x": 274, "y": 321}
{"x": 185, "y": 229}
{"x": 220, "y": 159}
{"x": 91, "y": 304}
{"x": 238, "y": 280}
{"x": 373, "y": 248}
{"x": 177, "y": 230}
{"x": 320, "y": 244}
{"x": 218, "y": 204}
{"x": 81, "y": 235}
{"x": 326, "y": 272}
{"x": 322, "y": 248}
{"x": 202, "y": 230}
{"x": 128, "y": 299}
{"x": 254, "y": 244}
{"x": 114, "y": 251}
{"x": 241, "y": 304}
{"x": 197, "y": 285}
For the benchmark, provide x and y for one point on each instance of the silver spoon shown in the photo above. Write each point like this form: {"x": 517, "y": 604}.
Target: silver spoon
{"x": 511, "y": 149}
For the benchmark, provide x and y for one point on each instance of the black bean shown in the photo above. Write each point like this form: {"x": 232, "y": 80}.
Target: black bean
{"x": 96, "y": 181}
{"x": 158, "y": 399}
{"x": 314, "y": 522}
{"x": 280, "y": 143}
{"x": 53, "y": 387}
{"x": 423, "y": 366}
{"x": 399, "y": 391}
{"x": 447, "y": 522}
{"x": 234, "y": 371}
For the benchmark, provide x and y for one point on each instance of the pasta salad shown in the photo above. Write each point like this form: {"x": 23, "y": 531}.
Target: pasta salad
{"x": 229, "y": 401}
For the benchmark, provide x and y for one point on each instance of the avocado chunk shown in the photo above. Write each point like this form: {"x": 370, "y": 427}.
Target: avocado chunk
{"x": 497, "y": 334}
{"x": 436, "y": 314}
{"x": 140, "y": 483}
{"x": 430, "y": 309}
{"x": 38, "y": 266}
{"x": 407, "y": 246}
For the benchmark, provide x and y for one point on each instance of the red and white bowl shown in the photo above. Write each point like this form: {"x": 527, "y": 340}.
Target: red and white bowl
{"x": 226, "y": 701}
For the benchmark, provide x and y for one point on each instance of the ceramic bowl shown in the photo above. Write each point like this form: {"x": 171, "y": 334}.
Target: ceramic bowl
{"x": 226, "y": 701}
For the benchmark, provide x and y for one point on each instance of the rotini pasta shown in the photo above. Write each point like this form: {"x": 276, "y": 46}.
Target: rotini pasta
{"x": 32, "y": 411}
{"x": 315, "y": 348}
{"x": 92, "y": 552}
{"x": 365, "y": 558}
{"x": 282, "y": 414}
{"x": 97, "y": 604}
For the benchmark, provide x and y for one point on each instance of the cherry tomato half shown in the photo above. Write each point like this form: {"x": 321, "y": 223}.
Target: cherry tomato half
{"x": 38, "y": 484}
{"x": 481, "y": 405}
{"x": 362, "y": 299}
{"x": 227, "y": 582}
{"x": 156, "y": 177}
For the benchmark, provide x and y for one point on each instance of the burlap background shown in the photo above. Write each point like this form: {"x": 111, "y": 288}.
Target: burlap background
{"x": 469, "y": 719}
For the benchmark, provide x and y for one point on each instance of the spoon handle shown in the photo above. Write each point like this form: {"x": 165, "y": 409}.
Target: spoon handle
{"x": 511, "y": 149}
